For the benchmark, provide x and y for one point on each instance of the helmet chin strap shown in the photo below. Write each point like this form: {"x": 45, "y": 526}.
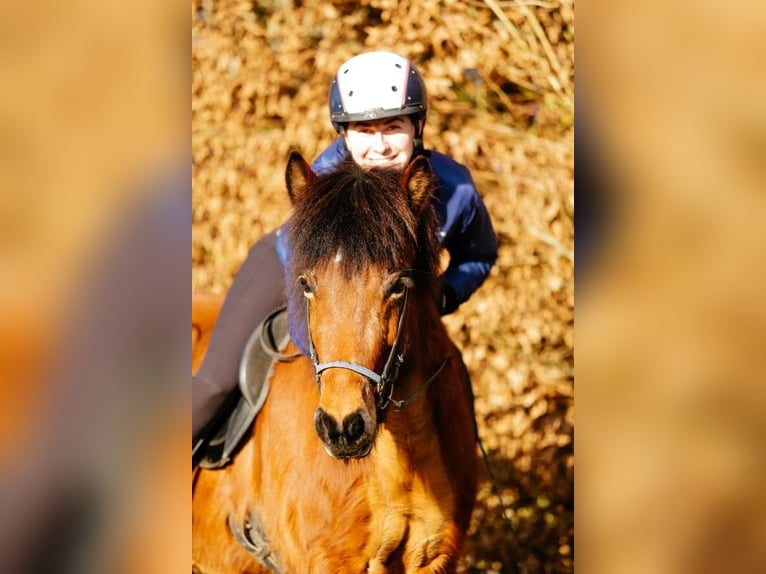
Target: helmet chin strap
{"x": 419, "y": 125}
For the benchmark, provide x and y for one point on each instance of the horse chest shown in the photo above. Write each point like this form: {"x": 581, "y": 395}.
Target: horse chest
{"x": 412, "y": 506}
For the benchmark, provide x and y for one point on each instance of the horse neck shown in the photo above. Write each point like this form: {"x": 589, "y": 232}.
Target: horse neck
{"x": 428, "y": 346}
{"x": 409, "y": 446}
{"x": 427, "y": 338}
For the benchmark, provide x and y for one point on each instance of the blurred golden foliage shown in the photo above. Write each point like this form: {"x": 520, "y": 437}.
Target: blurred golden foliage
{"x": 501, "y": 90}
{"x": 671, "y": 316}
{"x": 90, "y": 121}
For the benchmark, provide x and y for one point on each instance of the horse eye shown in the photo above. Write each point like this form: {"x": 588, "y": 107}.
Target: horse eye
{"x": 398, "y": 287}
{"x": 306, "y": 286}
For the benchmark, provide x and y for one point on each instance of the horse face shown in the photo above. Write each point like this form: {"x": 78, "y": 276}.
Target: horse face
{"x": 355, "y": 321}
{"x": 351, "y": 230}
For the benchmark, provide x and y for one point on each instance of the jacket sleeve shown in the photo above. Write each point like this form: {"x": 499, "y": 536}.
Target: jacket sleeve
{"x": 471, "y": 243}
{"x": 473, "y": 251}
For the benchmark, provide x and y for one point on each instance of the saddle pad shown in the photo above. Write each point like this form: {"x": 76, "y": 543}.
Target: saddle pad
{"x": 263, "y": 349}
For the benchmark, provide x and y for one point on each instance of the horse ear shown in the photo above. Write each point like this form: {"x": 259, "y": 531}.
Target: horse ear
{"x": 298, "y": 176}
{"x": 418, "y": 180}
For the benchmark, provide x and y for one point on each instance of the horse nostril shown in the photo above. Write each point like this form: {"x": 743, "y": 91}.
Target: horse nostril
{"x": 354, "y": 426}
{"x": 326, "y": 426}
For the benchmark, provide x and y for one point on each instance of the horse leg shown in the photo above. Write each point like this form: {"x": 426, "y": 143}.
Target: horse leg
{"x": 442, "y": 564}
{"x": 394, "y": 529}
{"x": 435, "y": 554}
{"x": 389, "y": 497}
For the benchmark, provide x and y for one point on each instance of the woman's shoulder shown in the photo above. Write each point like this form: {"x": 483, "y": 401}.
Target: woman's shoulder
{"x": 330, "y": 157}
{"x": 450, "y": 171}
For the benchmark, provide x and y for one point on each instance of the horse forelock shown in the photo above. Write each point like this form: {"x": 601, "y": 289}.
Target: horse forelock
{"x": 357, "y": 218}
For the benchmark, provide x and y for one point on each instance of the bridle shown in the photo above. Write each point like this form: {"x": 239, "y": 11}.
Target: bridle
{"x": 384, "y": 381}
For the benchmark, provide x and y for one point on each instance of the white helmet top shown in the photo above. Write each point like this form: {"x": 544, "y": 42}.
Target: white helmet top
{"x": 376, "y": 85}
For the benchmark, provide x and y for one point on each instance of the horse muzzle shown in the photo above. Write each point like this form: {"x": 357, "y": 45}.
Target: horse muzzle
{"x": 350, "y": 438}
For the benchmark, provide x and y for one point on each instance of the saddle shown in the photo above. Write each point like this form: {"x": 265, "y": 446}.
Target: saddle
{"x": 263, "y": 349}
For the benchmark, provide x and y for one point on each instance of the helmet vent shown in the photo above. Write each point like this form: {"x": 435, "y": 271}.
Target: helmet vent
{"x": 394, "y": 89}
{"x": 351, "y": 93}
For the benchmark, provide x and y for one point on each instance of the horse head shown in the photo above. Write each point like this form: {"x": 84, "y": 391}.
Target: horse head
{"x": 364, "y": 256}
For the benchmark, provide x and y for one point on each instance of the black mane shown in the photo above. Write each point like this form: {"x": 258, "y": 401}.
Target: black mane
{"x": 368, "y": 217}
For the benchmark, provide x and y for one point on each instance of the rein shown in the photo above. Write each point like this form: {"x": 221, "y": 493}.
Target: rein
{"x": 399, "y": 405}
{"x": 385, "y": 380}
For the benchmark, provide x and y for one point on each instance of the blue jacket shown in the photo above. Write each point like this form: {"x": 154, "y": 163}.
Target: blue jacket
{"x": 466, "y": 230}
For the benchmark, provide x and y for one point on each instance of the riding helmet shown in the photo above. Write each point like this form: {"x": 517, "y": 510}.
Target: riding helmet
{"x": 376, "y": 85}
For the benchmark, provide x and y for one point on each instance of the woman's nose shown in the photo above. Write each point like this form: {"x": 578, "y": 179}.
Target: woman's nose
{"x": 379, "y": 142}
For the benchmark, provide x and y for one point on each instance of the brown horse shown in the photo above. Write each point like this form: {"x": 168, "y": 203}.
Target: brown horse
{"x": 363, "y": 458}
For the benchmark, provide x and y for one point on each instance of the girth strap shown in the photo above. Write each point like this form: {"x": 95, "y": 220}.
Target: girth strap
{"x": 253, "y": 539}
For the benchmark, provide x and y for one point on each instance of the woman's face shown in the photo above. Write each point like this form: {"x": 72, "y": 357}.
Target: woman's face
{"x": 387, "y": 142}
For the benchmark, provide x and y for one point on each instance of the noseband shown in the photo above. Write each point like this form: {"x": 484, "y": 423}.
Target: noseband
{"x": 384, "y": 381}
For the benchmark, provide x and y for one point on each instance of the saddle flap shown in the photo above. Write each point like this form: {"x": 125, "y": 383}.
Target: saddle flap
{"x": 262, "y": 349}
{"x": 264, "y": 346}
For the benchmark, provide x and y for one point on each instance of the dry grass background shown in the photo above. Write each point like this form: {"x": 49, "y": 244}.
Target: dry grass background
{"x": 501, "y": 84}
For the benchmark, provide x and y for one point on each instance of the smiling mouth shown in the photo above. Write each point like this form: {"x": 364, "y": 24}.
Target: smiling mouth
{"x": 381, "y": 163}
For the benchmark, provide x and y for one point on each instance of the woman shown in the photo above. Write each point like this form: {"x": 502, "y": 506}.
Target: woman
{"x": 378, "y": 107}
